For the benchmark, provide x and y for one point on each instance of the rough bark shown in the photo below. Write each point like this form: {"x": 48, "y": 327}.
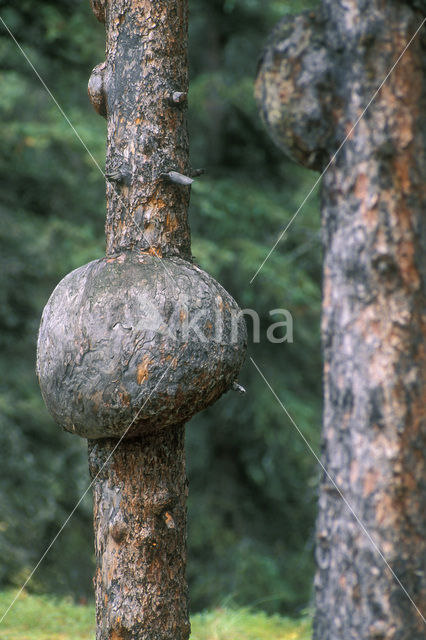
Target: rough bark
{"x": 139, "y": 519}
{"x": 140, "y": 491}
{"x": 147, "y": 136}
{"x": 373, "y": 325}
{"x": 135, "y": 340}
{"x": 132, "y": 345}
{"x": 98, "y": 7}
{"x": 295, "y": 106}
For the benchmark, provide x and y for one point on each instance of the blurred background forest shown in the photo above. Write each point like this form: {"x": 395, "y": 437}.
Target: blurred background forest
{"x": 252, "y": 479}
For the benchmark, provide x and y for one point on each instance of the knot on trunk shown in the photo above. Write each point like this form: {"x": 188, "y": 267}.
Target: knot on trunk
{"x": 134, "y": 343}
{"x": 118, "y": 531}
{"x": 98, "y": 7}
{"x": 292, "y": 89}
{"x": 96, "y": 90}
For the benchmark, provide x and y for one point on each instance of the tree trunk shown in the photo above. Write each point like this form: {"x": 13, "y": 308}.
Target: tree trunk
{"x": 140, "y": 537}
{"x": 146, "y": 69}
{"x": 134, "y": 344}
{"x": 374, "y": 331}
{"x": 140, "y": 493}
{"x": 318, "y": 75}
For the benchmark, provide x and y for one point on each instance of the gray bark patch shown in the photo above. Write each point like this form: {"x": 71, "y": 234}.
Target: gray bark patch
{"x": 136, "y": 338}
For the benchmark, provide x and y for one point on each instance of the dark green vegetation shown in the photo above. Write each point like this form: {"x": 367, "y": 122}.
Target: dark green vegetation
{"x": 252, "y": 480}
{"x": 45, "y": 618}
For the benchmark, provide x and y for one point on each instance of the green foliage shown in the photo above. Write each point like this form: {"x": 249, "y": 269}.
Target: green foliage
{"x": 51, "y": 213}
{"x": 251, "y": 519}
{"x": 244, "y": 624}
{"x": 252, "y": 479}
{"x": 45, "y": 618}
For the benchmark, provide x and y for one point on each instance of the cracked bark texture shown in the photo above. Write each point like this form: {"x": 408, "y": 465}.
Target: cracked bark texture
{"x": 134, "y": 344}
{"x": 147, "y": 136}
{"x": 140, "y": 492}
{"x": 373, "y": 322}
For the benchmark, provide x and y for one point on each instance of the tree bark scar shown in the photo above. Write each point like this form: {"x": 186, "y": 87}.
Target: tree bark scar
{"x": 373, "y": 324}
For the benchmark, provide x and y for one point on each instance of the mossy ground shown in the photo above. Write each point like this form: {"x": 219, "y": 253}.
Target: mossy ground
{"x": 46, "y": 618}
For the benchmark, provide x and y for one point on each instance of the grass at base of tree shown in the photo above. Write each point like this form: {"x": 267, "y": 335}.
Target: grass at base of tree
{"x": 243, "y": 624}
{"x": 46, "y": 618}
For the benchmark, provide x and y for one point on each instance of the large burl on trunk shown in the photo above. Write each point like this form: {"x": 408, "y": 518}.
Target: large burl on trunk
{"x": 132, "y": 345}
{"x": 318, "y": 73}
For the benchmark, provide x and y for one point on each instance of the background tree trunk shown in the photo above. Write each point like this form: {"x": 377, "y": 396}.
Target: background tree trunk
{"x": 317, "y": 76}
{"x": 374, "y": 331}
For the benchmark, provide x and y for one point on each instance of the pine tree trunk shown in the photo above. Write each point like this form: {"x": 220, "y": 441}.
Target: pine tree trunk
{"x": 140, "y": 493}
{"x": 140, "y": 537}
{"x": 374, "y": 330}
{"x": 132, "y": 345}
{"x": 146, "y": 82}
{"x": 318, "y": 75}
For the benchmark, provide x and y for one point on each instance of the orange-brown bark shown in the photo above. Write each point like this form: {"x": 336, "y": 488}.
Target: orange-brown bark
{"x": 147, "y": 137}
{"x": 373, "y": 324}
{"x": 140, "y": 485}
{"x": 127, "y": 350}
{"x": 140, "y": 537}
